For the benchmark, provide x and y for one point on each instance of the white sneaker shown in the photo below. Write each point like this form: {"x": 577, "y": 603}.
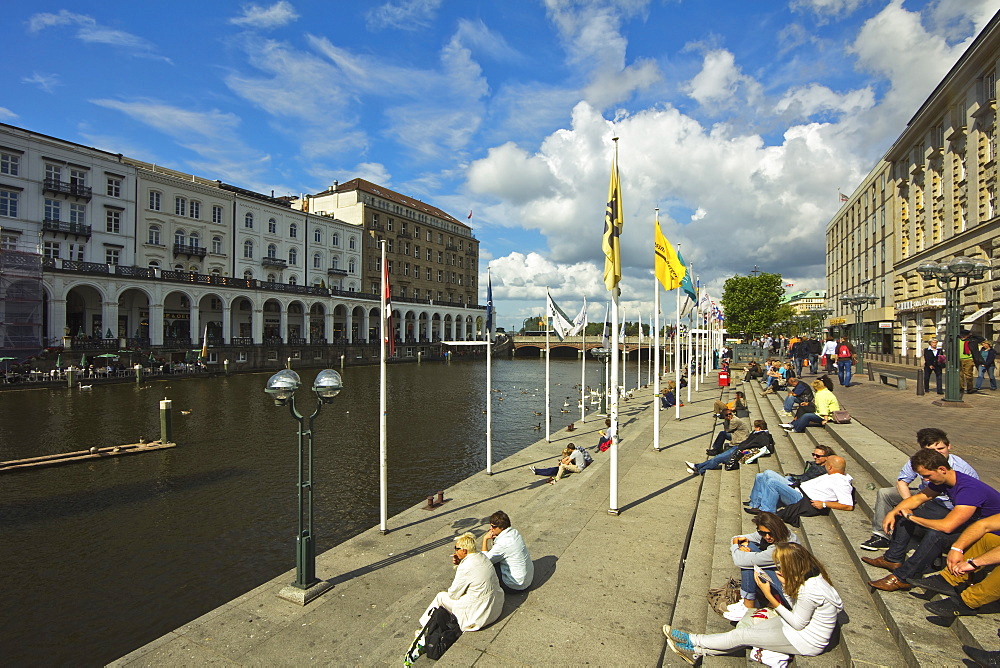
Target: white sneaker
{"x": 690, "y": 467}
{"x": 785, "y": 425}
{"x": 734, "y": 607}
{"x": 757, "y": 455}
{"x": 736, "y": 615}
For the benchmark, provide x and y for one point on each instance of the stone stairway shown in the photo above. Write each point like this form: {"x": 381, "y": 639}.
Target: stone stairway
{"x": 878, "y": 628}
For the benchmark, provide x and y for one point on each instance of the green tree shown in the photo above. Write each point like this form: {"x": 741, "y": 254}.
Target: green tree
{"x": 752, "y": 303}
{"x": 535, "y": 323}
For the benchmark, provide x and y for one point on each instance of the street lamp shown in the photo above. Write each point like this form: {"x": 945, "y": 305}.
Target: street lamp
{"x": 821, "y": 314}
{"x": 953, "y": 277}
{"x": 603, "y": 354}
{"x": 282, "y": 386}
{"x": 859, "y": 303}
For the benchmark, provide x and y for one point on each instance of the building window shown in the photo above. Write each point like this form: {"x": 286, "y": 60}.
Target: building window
{"x": 216, "y": 214}
{"x": 440, "y": 276}
{"x": 50, "y": 249}
{"x": 8, "y": 242}
{"x": 406, "y": 269}
{"x": 272, "y": 226}
{"x": 293, "y": 280}
{"x": 388, "y": 245}
{"x": 114, "y": 186}
{"x": 293, "y": 231}
{"x": 429, "y": 275}
{"x": 293, "y": 256}
{"x": 352, "y": 243}
{"x": 77, "y": 213}
{"x": 10, "y": 163}
{"x": 76, "y": 252}
{"x": 180, "y": 206}
{"x": 351, "y": 266}
{"x": 195, "y": 209}
{"x": 440, "y": 257}
{"x": 154, "y": 200}
{"x": 272, "y": 251}
{"x": 53, "y": 209}
{"x": 248, "y": 221}
{"x": 153, "y": 264}
{"x": 194, "y": 240}
{"x": 430, "y": 256}
{"x": 217, "y": 245}
{"x": 336, "y": 239}
{"x": 388, "y": 264}
{"x": 317, "y": 236}
{"x": 335, "y": 262}
{"x": 113, "y": 221}
{"x": 272, "y": 278}
{"x": 77, "y": 178}
{"x": 416, "y": 252}
{"x": 179, "y": 237}
{"x": 374, "y": 289}
{"x": 248, "y": 276}
{"x": 388, "y": 225}
{"x": 248, "y": 249}
{"x": 153, "y": 237}
{"x": 111, "y": 255}
{"x": 53, "y": 172}
{"x": 241, "y": 355}
{"x": 317, "y": 261}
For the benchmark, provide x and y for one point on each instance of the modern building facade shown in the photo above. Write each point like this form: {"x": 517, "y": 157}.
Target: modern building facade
{"x": 138, "y": 255}
{"x": 934, "y": 200}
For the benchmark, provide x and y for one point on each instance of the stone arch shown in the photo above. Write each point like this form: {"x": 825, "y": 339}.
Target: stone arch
{"x": 133, "y": 314}
{"x": 272, "y": 309}
{"x": 317, "y": 323}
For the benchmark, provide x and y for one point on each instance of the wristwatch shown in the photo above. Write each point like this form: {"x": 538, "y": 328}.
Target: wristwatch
{"x": 907, "y": 516}
{"x": 972, "y": 563}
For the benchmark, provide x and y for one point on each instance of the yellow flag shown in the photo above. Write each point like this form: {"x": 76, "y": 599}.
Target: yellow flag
{"x": 669, "y": 269}
{"x": 613, "y": 229}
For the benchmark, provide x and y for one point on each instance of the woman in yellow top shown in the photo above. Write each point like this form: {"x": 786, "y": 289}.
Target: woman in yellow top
{"x": 824, "y": 403}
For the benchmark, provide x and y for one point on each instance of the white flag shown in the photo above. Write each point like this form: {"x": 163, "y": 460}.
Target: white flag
{"x": 580, "y": 321}
{"x": 561, "y": 324}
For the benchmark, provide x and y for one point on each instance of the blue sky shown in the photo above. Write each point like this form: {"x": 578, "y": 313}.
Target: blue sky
{"x": 739, "y": 120}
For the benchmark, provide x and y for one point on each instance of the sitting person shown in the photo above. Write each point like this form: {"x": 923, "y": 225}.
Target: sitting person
{"x": 804, "y": 629}
{"x": 509, "y": 554}
{"x": 825, "y": 403}
{"x": 978, "y": 547}
{"x": 739, "y": 403}
{"x": 813, "y": 469}
{"x": 760, "y": 438}
{"x": 813, "y": 497}
{"x": 757, "y": 549}
{"x": 669, "y": 395}
{"x": 772, "y": 379}
{"x": 572, "y": 461}
{"x": 972, "y": 499}
{"x": 604, "y": 442}
{"x": 733, "y": 430}
{"x": 475, "y": 596}
{"x": 799, "y": 397}
{"x": 753, "y": 372}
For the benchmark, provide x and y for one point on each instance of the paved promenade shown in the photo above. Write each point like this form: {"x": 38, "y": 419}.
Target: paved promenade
{"x": 604, "y": 584}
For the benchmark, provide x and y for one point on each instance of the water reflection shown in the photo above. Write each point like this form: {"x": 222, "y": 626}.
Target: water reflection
{"x": 109, "y": 555}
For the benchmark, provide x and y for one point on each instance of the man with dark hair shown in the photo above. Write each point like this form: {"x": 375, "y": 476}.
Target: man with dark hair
{"x": 760, "y": 439}
{"x": 799, "y": 394}
{"x": 972, "y": 499}
{"x": 509, "y": 554}
{"x": 888, "y": 498}
{"x": 733, "y": 430}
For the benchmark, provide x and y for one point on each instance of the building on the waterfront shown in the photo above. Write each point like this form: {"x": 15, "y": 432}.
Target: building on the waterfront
{"x": 134, "y": 254}
{"x": 931, "y": 198}
{"x": 803, "y": 301}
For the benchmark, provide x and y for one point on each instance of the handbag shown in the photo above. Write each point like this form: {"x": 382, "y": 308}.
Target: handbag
{"x": 719, "y": 598}
{"x": 840, "y": 417}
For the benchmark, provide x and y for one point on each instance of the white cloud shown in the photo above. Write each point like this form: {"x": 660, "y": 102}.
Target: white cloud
{"x": 403, "y": 14}
{"x": 805, "y": 101}
{"x": 509, "y": 173}
{"x": 277, "y": 15}
{"x": 47, "y": 82}
{"x": 479, "y": 38}
{"x": 720, "y": 83}
{"x": 6, "y": 114}
{"x": 91, "y": 32}
{"x": 836, "y": 8}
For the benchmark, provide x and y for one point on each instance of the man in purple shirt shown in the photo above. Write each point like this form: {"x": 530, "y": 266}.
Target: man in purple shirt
{"x": 972, "y": 499}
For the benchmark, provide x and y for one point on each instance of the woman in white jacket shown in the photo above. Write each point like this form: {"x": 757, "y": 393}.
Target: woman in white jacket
{"x": 804, "y": 628}
{"x": 475, "y": 596}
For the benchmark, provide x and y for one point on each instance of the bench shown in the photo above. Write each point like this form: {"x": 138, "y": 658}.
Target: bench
{"x": 900, "y": 383}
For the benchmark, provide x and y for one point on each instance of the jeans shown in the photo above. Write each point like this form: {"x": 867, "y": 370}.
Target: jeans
{"x": 789, "y": 402}
{"x": 983, "y": 370}
{"x": 800, "y": 423}
{"x": 844, "y": 371}
{"x": 799, "y": 361}
{"x": 932, "y": 542}
{"x": 814, "y": 363}
{"x": 928, "y": 370}
{"x": 748, "y": 585}
{"x": 770, "y": 487}
{"x": 720, "y": 440}
{"x": 715, "y": 462}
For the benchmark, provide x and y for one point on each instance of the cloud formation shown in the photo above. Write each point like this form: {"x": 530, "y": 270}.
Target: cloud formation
{"x": 402, "y": 15}
{"x": 89, "y": 31}
{"x": 256, "y": 16}
{"x": 47, "y": 82}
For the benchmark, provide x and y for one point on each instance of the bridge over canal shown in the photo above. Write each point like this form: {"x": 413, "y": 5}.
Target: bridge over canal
{"x": 572, "y": 346}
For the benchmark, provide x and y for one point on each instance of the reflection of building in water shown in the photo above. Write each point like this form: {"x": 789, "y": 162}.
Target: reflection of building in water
{"x": 136, "y": 252}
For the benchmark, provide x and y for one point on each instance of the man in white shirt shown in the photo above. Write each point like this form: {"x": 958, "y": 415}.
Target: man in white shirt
{"x": 833, "y": 491}
{"x": 509, "y": 554}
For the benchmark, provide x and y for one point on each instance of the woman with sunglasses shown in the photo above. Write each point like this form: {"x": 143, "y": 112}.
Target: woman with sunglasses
{"x": 757, "y": 549}
{"x": 803, "y": 629}
{"x": 475, "y": 596}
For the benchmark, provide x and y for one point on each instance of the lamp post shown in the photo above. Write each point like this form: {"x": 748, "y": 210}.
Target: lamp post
{"x": 953, "y": 277}
{"x": 282, "y": 387}
{"x": 859, "y": 303}
{"x": 821, "y": 314}
{"x": 603, "y": 354}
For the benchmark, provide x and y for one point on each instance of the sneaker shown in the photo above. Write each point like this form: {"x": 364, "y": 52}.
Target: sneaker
{"x": 757, "y": 455}
{"x": 876, "y": 542}
{"x": 934, "y": 583}
{"x": 532, "y": 470}
{"x": 682, "y": 648}
{"x": 690, "y": 467}
{"x": 786, "y": 414}
{"x": 733, "y": 607}
{"x": 952, "y": 606}
{"x": 785, "y": 425}
{"x": 736, "y": 615}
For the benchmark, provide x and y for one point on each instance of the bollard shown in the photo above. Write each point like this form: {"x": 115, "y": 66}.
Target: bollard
{"x": 440, "y": 498}
{"x": 225, "y": 366}
{"x": 342, "y": 361}
{"x": 166, "y": 428}
{"x": 419, "y": 355}
{"x": 71, "y": 378}
{"x": 920, "y": 382}
{"x": 138, "y": 374}
{"x": 430, "y": 502}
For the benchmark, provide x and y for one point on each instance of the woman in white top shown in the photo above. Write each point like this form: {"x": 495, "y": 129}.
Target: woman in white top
{"x": 804, "y": 628}
{"x": 475, "y": 596}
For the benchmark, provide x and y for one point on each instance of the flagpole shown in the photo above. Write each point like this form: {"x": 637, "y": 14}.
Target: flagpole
{"x": 548, "y": 355}
{"x": 690, "y": 352}
{"x": 489, "y": 378}
{"x": 583, "y": 363}
{"x": 677, "y": 350}
{"x": 383, "y": 474}
{"x": 638, "y": 358}
{"x": 613, "y": 404}
{"x": 656, "y": 344}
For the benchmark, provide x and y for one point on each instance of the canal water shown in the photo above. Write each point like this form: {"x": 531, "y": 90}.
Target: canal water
{"x": 101, "y": 558}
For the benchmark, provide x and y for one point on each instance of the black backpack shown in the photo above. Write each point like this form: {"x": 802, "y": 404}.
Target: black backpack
{"x": 441, "y": 632}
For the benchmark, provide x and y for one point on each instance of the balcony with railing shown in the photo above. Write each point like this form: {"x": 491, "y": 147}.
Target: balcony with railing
{"x": 336, "y": 272}
{"x": 273, "y": 262}
{"x": 67, "y": 188}
{"x": 60, "y": 227}
{"x": 191, "y": 251}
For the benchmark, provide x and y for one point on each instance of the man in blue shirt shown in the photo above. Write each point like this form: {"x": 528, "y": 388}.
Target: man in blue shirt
{"x": 972, "y": 499}
{"x": 509, "y": 554}
{"x": 888, "y": 498}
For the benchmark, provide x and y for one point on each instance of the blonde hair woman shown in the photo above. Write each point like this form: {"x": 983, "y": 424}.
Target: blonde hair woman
{"x": 475, "y": 596}
{"x": 804, "y": 628}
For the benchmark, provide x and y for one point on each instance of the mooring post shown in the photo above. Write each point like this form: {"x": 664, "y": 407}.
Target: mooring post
{"x": 138, "y": 374}
{"x": 342, "y": 360}
{"x": 71, "y": 378}
{"x": 419, "y": 355}
{"x": 166, "y": 428}
{"x": 225, "y": 365}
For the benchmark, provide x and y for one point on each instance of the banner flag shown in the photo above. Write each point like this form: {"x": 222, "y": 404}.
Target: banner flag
{"x": 561, "y": 323}
{"x": 613, "y": 229}
{"x": 670, "y": 271}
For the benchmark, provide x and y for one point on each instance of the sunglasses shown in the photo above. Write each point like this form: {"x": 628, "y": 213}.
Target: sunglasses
{"x": 764, "y": 533}
{"x": 819, "y": 455}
